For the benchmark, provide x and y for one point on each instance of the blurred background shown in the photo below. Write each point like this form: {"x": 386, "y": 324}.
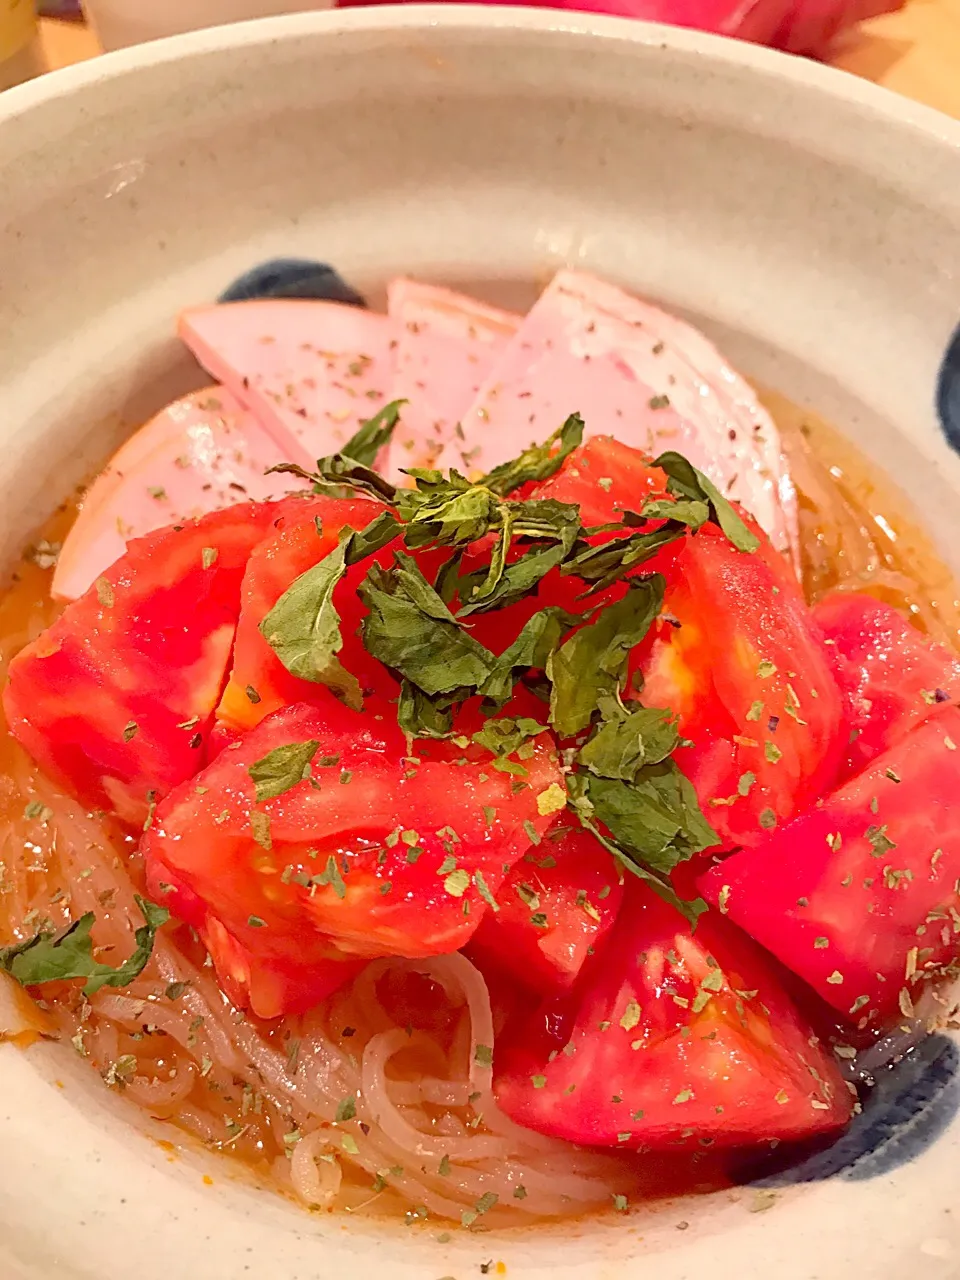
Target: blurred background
{"x": 911, "y": 46}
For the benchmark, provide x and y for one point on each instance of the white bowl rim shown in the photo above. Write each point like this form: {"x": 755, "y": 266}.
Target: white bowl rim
{"x": 838, "y": 85}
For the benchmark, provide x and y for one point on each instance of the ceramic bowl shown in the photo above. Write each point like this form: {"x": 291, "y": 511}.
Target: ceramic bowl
{"x": 807, "y": 220}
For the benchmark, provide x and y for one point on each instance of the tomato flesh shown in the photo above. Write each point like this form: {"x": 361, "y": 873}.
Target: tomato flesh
{"x": 859, "y": 895}
{"x": 605, "y": 478}
{"x": 738, "y": 655}
{"x": 670, "y": 1040}
{"x": 892, "y": 676}
{"x": 115, "y": 699}
{"x": 259, "y": 683}
{"x": 381, "y": 857}
{"x": 555, "y": 909}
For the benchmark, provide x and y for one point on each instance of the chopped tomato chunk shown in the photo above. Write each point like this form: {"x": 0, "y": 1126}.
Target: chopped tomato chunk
{"x": 605, "y": 478}
{"x": 670, "y": 1040}
{"x": 115, "y": 699}
{"x": 892, "y": 676}
{"x": 859, "y": 895}
{"x": 555, "y": 908}
{"x": 371, "y": 854}
{"x": 739, "y": 656}
{"x": 259, "y": 683}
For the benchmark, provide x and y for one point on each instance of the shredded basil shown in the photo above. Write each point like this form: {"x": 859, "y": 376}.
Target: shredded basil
{"x": 53, "y": 958}
{"x": 622, "y": 782}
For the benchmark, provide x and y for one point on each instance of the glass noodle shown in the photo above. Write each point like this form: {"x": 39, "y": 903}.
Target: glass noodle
{"x": 379, "y": 1099}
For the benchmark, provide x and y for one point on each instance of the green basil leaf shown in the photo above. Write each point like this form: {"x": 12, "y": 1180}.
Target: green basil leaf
{"x": 655, "y": 819}
{"x": 531, "y": 650}
{"x": 447, "y": 584}
{"x": 282, "y": 768}
{"x": 422, "y": 716}
{"x": 292, "y": 469}
{"x": 620, "y": 747}
{"x": 689, "y": 511}
{"x": 486, "y": 588}
{"x": 608, "y": 562}
{"x": 502, "y": 583}
{"x": 352, "y": 466}
{"x": 45, "y": 958}
{"x": 505, "y": 735}
{"x": 338, "y": 473}
{"x": 449, "y": 513}
{"x": 303, "y": 627}
{"x": 592, "y": 664}
{"x": 364, "y": 447}
{"x": 379, "y": 533}
{"x": 688, "y": 482}
{"x": 513, "y": 582}
{"x": 539, "y": 462}
{"x": 545, "y": 518}
{"x": 411, "y": 630}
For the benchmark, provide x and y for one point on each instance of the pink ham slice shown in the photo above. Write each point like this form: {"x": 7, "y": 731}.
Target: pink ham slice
{"x": 199, "y": 454}
{"x": 635, "y": 373}
{"x": 447, "y": 344}
{"x": 312, "y": 372}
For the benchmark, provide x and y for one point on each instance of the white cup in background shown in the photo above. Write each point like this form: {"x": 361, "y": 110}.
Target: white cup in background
{"x": 124, "y": 22}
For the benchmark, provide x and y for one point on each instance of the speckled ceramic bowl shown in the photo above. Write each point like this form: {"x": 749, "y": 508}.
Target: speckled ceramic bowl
{"x": 810, "y": 221}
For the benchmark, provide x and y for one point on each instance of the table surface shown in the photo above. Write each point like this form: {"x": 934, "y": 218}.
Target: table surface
{"x": 915, "y": 52}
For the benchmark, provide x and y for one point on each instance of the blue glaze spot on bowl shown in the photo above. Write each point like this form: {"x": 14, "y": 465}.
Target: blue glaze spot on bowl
{"x": 293, "y": 278}
{"x": 911, "y": 1105}
{"x": 948, "y": 392}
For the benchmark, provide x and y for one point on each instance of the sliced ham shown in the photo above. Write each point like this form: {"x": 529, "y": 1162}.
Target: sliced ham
{"x": 635, "y": 373}
{"x": 447, "y": 344}
{"x": 312, "y": 372}
{"x": 300, "y": 376}
{"x": 200, "y": 454}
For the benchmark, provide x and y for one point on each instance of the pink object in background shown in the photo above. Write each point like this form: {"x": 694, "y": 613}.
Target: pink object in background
{"x": 797, "y": 26}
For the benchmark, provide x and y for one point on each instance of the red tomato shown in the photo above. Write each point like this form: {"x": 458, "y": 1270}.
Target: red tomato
{"x": 259, "y": 683}
{"x": 674, "y": 663}
{"x": 670, "y": 1040}
{"x": 265, "y": 984}
{"x": 605, "y": 478}
{"x": 555, "y": 908}
{"x": 892, "y": 676}
{"x": 374, "y": 856}
{"x": 747, "y": 672}
{"x": 115, "y": 699}
{"x": 859, "y": 895}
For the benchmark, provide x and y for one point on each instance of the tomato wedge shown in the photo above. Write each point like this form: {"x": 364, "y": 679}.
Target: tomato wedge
{"x": 371, "y": 855}
{"x": 266, "y": 985}
{"x": 115, "y": 699}
{"x": 738, "y": 655}
{"x": 555, "y": 908}
{"x": 892, "y": 676}
{"x": 259, "y": 683}
{"x": 670, "y": 1040}
{"x": 859, "y": 895}
{"x": 605, "y": 478}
